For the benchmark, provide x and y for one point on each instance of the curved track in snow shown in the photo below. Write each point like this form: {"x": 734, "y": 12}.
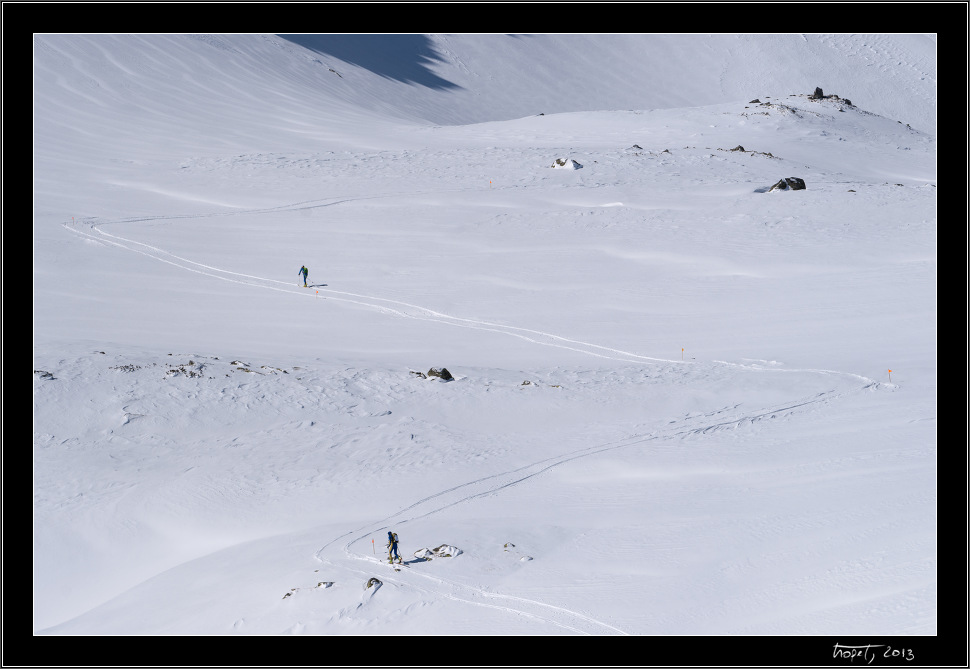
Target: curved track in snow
{"x": 386, "y": 305}
{"x": 381, "y": 304}
{"x": 340, "y": 551}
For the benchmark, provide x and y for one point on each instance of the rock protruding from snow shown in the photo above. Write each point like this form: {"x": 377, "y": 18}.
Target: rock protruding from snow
{"x": 567, "y": 164}
{"x": 819, "y": 95}
{"x": 794, "y": 183}
{"x": 509, "y": 548}
{"x": 442, "y": 551}
{"x": 441, "y": 373}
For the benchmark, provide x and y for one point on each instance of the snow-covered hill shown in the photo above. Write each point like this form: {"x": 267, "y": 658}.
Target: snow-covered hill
{"x": 671, "y": 409}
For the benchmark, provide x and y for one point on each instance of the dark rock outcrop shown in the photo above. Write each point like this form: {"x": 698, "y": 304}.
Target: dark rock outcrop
{"x": 793, "y": 183}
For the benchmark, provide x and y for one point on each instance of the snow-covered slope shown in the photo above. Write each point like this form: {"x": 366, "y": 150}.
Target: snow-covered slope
{"x": 671, "y": 411}
{"x": 475, "y": 78}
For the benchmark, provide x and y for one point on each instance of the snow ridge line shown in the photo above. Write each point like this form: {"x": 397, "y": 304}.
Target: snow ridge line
{"x": 431, "y": 315}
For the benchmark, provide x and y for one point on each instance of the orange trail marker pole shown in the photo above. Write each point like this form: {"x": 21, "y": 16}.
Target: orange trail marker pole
{"x": 372, "y": 547}
{"x": 890, "y": 376}
{"x": 681, "y": 354}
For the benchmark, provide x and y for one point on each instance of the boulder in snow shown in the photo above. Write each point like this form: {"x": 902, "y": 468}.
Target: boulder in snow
{"x": 442, "y": 551}
{"x": 522, "y": 558}
{"x": 567, "y": 164}
{"x": 794, "y": 183}
{"x": 441, "y": 373}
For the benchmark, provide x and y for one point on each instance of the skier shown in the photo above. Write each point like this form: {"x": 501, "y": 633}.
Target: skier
{"x": 304, "y": 271}
{"x": 392, "y": 548}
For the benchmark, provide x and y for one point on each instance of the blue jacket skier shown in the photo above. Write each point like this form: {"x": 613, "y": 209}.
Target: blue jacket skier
{"x": 304, "y": 271}
{"x": 392, "y": 548}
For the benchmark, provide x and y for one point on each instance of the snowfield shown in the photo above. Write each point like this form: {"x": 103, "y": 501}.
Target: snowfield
{"x": 680, "y": 403}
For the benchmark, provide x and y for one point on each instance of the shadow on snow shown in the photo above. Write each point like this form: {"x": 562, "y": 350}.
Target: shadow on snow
{"x": 404, "y": 58}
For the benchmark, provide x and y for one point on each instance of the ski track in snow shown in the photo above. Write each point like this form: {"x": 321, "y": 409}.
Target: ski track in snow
{"x": 422, "y": 313}
{"x": 404, "y": 309}
{"x": 572, "y": 621}
{"x": 493, "y": 484}
{"x": 437, "y": 586}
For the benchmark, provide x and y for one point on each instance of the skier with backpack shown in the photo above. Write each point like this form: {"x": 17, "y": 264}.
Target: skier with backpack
{"x": 304, "y": 271}
{"x": 392, "y": 548}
